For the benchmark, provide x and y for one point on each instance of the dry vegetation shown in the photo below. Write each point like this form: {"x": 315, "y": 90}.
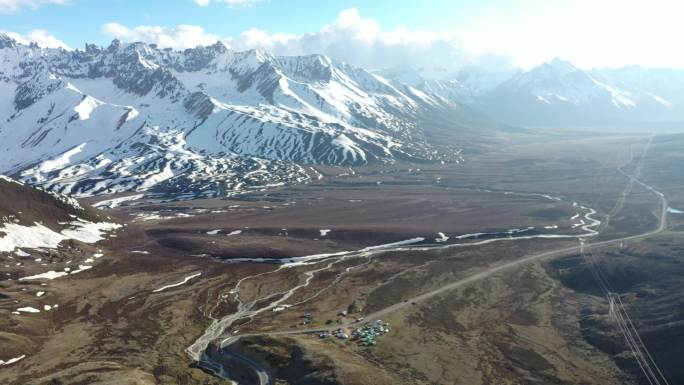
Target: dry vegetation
{"x": 541, "y": 323}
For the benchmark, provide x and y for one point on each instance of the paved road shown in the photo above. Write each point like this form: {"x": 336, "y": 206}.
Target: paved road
{"x": 662, "y": 225}
{"x": 262, "y": 374}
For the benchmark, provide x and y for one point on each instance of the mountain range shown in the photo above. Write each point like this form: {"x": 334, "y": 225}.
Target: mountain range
{"x": 558, "y": 93}
{"x": 135, "y": 117}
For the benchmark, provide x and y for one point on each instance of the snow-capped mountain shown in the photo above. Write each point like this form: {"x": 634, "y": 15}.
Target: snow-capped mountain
{"x": 656, "y": 92}
{"x": 464, "y": 86}
{"x": 480, "y": 80}
{"x": 447, "y": 88}
{"x": 135, "y": 117}
{"x": 557, "y": 92}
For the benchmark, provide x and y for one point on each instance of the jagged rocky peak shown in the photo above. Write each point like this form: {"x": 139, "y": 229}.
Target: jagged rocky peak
{"x": 201, "y": 57}
{"x": 317, "y": 68}
{"x": 561, "y": 65}
{"x": 249, "y": 60}
{"x": 552, "y": 70}
{"x": 115, "y": 45}
{"x": 217, "y": 48}
{"x": 92, "y": 49}
{"x": 556, "y": 75}
{"x": 6, "y": 41}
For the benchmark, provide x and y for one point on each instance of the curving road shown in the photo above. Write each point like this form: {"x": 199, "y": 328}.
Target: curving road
{"x": 262, "y": 374}
{"x": 662, "y": 225}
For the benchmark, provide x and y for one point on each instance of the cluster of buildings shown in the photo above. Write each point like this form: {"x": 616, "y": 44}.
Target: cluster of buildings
{"x": 365, "y": 335}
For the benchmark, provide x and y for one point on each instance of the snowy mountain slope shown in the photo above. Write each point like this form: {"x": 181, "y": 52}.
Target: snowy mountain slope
{"x": 32, "y": 219}
{"x": 462, "y": 87}
{"x": 448, "y": 89}
{"x": 134, "y": 117}
{"x": 658, "y": 92}
{"x": 481, "y": 80}
{"x": 557, "y": 92}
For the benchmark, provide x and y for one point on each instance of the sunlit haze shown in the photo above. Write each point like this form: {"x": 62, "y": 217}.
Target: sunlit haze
{"x": 439, "y": 34}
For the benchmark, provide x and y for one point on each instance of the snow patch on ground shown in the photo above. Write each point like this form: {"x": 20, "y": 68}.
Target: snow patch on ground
{"x": 33, "y": 237}
{"x": 12, "y": 360}
{"x": 116, "y": 202}
{"x": 155, "y": 215}
{"x": 8, "y": 179}
{"x": 89, "y": 232}
{"x": 183, "y": 282}
{"x": 28, "y": 309}
{"x": 442, "y": 237}
{"x": 82, "y": 268}
{"x": 324, "y": 232}
{"x": 49, "y": 275}
{"x": 39, "y": 236}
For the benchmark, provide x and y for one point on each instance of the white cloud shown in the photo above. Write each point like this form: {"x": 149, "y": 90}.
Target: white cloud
{"x": 232, "y": 3}
{"x": 10, "y": 6}
{"x": 179, "y": 37}
{"x": 38, "y": 36}
{"x": 350, "y": 38}
{"x": 363, "y": 42}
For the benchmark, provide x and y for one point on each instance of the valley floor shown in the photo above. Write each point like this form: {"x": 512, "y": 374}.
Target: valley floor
{"x": 461, "y": 260}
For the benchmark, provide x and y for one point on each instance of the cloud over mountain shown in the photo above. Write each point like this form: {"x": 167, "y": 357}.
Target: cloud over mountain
{"x": 39, "y": 36}
{"x": 179, "y": 37}
{"x": 350, "y": 37}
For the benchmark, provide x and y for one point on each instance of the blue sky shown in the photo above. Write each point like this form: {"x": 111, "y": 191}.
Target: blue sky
{"x": 444, "y": 34}
{"x": 80, "y": 21}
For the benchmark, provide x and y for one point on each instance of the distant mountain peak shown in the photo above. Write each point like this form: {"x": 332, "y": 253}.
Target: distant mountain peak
{"x": 554, "y": 68}
{"x": 561, "y": 63}
{"x": 115, "y": 45}
{"x": 219, "y": 46}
